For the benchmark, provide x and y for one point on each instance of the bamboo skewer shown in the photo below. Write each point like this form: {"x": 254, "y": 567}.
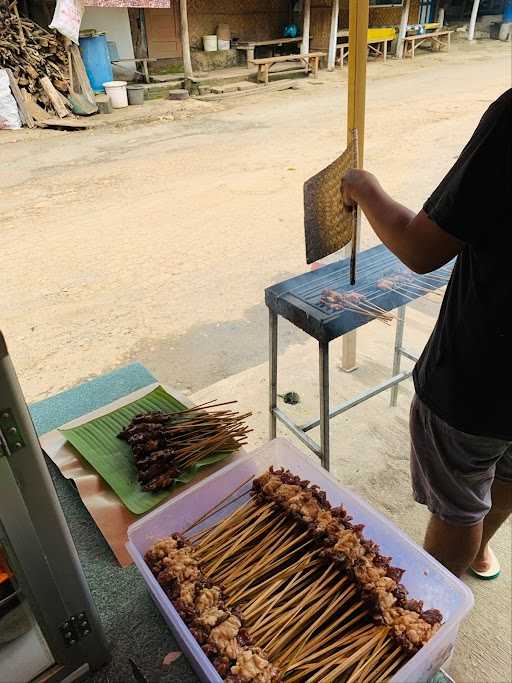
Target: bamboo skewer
{"x": 362, "y": 666}
{"x": 328, "y": 635}
{"x": 373, "y": 676}
{"x": 298, "y": 646}
{"x": 413, "y": 285}
{"x": 345, "y": 664}
{"x": 219, "y": 506}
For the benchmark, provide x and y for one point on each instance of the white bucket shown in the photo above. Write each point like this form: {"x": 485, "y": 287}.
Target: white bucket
{"x": 223, "y": 44}
{"x": 116, "y": 90}
{"x": 210, "y": 43}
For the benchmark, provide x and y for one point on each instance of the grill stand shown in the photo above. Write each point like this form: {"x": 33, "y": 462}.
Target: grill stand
{"x": 322, "y": 450}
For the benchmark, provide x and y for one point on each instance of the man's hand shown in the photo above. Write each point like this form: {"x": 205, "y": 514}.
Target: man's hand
{"x": 417, "y": 241}
{"x": 357, "y": 184}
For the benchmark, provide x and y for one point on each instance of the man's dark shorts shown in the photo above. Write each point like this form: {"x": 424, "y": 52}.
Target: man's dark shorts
{"x": 452, "y": 472}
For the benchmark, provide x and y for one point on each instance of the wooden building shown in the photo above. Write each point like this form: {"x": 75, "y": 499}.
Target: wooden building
{"x": 247, "y": 20}
{"x": 251, "y": 20}
{"x": 173, "y": 30}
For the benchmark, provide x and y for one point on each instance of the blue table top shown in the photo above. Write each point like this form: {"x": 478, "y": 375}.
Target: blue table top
{"x": 298, "y": 299}
{"x": 55, "y": 411}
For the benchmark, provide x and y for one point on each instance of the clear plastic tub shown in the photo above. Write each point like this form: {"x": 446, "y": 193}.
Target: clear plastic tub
{"x": 425, "y": 578}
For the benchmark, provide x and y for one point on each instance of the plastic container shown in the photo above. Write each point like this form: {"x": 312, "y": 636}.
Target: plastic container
{"x": 425, "y": 578}
{"x": 210, "y": 43}
{"x": 96, "y": 58}
{"x": 507, "y": 11}
{"x": 223, "y": 32}
{"x": 223, "y": 37}
{"x": 116, "y": 90}
{"x": 135, "y": 94}
{"x": 505, "y": 31}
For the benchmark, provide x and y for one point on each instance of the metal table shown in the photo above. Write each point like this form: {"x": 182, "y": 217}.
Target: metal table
{"x": 298, "y": 300}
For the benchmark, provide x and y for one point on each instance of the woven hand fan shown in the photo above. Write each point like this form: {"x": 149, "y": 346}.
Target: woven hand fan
{"x": 329, "y": 224}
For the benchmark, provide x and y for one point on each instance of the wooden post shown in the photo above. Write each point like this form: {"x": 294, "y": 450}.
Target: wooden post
{"x": 306, "y": 22}
{"x": 333, "y": 38}
{"x": 185, "y": 40}
{"x": 404, "y": 21}
{"x": 357, "y": 58}
{"x": 472, "y": 21}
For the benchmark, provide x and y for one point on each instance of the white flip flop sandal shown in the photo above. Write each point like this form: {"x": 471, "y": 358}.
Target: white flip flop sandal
{"x": 492, "y": 573}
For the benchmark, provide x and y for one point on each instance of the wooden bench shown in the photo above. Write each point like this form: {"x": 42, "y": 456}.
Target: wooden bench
{"x": 144, "y": 61}
{"x": 438, "y": 40}
{"x": 378, "y": 39}
{"x": 251, "y": 45}
{"x": 310, "y": 60}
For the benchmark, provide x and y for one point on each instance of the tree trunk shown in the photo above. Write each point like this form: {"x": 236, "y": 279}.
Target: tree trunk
{"x": 185, "y": 40}
{"x": 472, "y": 21}
{"x": 306, "y": 22}
{"x": 333, "y": 38}
{"x": 404, "y": 21}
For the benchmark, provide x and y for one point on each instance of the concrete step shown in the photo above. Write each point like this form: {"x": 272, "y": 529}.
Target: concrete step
{"x": 216, "y": 79}
{"x": 153, "y": 91}
{"x": 241, "y": 86}
{"x": 219, "y": 84}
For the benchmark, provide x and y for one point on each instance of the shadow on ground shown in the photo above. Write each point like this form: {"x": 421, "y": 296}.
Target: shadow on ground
{"x": 208, "y": 353}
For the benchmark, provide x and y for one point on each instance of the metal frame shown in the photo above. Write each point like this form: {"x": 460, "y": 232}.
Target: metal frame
{"x": 322, "y": 450}
{"x": 38, "y": 541}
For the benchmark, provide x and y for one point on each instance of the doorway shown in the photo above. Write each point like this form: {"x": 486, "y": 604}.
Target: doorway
{"x": 163, "y": 32}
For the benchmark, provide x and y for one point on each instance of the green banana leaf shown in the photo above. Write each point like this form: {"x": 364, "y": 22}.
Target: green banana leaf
{"x": 112, "y": 458}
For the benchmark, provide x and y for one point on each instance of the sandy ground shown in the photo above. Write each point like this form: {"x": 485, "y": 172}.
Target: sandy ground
{"x": 153, "y": 240}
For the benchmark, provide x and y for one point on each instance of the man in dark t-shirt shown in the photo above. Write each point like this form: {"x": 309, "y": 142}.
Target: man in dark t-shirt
{"x": 461, "y": 416}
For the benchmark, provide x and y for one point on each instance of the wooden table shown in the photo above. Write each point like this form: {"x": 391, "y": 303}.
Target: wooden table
{"x": 251, "y": 45}
{"x": 438, "y": 40}
{"x": 373, "y": 46}
{"x": 378, "y": 39}
{"x": 144, "y": 61}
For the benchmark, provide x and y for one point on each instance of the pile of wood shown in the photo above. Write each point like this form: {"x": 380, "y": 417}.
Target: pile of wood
{"x": 33, "y": 55}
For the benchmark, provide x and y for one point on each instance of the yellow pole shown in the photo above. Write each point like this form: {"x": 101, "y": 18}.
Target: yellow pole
{"x": 357, "y": 57}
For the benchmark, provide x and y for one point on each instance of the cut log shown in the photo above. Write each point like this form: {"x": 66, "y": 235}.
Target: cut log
{"x": 54, "y": 97}
{"x": 23, "y": 42}
{"x": 38, "y": 113}
{"x": 67, "y": 124}
{"x": 25, "y": 115}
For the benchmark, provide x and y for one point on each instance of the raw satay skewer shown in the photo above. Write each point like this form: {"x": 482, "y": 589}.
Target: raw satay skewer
{"x": 412, "y": 283}
{"x": 389, "y": 285}
{"x": 353, "y": 301}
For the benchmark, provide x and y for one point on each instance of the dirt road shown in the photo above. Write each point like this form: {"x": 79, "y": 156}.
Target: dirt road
{"x": 154, "y": 242}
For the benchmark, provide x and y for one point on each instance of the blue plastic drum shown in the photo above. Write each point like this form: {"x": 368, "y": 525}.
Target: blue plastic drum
{"x": 96, "y": 58}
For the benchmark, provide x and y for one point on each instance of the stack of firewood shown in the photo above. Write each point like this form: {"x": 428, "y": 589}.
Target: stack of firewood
{"x": 32, "y": 53}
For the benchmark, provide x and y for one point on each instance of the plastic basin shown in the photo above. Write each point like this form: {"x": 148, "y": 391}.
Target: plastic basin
{"x": 116, "y": 90}
{"x": 425, "y": 578}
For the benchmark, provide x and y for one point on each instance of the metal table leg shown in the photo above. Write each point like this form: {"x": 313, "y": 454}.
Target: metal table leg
{"x": 399, "y": 338}
{"x": 272, "y": 373}
{"x": 324, "y": 404}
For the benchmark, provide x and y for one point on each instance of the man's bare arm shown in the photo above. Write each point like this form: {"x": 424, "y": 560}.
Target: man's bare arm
{"x": 417, "y": 241}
